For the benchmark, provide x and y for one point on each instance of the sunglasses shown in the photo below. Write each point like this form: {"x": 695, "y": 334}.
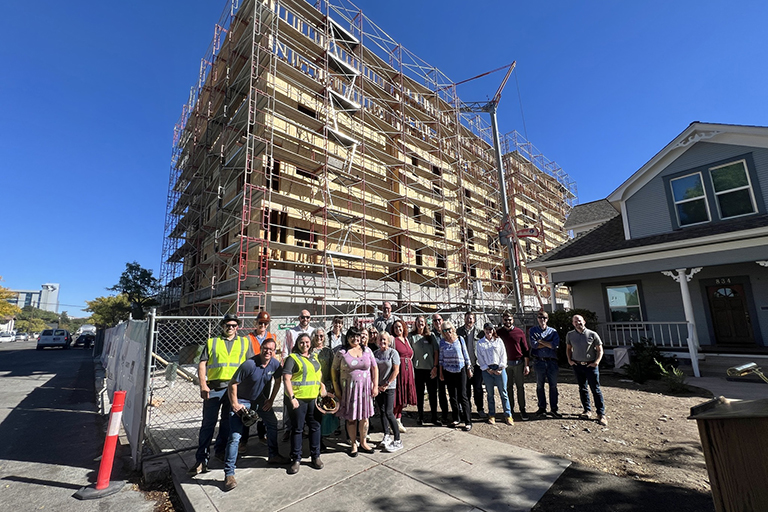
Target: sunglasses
{"x": 231, "y": 326}
{"x": 447, "y": 330}
{"x": 304, "y": 317}
{"x": 542, "y": 317}
{"x": 263, "y": 323}
{"x": 267, "y": 349}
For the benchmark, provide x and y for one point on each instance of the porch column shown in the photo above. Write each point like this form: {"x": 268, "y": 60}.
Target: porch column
{"x": 552, "y": 294}
{"x": 693, "y": 340}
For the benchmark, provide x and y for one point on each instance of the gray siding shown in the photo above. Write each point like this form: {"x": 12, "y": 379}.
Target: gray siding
{"x": 662, "y": 301}
{"x": 648, "y": 210}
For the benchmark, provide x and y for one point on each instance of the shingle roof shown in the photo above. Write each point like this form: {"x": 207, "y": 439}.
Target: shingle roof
{"x": 609, "y": 237}
{"x": 589, "y": 213}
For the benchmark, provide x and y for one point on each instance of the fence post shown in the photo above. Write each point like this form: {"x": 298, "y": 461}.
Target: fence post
{"x": 145, "y": 394}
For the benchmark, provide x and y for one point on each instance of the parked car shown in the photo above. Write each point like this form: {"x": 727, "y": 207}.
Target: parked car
{"x": 7, "y": 336}
{"x": 22, "y": 336}
{"x": 54, "y": 338}
{"x": 85, "y": 339}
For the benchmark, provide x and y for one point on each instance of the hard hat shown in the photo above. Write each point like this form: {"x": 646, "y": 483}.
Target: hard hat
{"x": 228, "y": 318}
{"x": 327, "y": 404}
{"x": 263, "y": 317}
{"x": 248, "y": 417}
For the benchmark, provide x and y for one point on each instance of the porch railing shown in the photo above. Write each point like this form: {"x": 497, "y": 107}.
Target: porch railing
{"x": 673, "y": 335}
{"x": 665, "y": 335}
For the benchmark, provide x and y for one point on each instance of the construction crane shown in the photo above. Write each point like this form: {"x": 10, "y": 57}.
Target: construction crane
{"x": 491, "y": 107}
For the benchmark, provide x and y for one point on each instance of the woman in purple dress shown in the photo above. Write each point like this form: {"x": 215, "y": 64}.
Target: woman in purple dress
{"x": 355, "y": 375}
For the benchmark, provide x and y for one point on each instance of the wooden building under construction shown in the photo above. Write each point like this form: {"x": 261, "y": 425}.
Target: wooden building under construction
{"x": 320, "y": 164}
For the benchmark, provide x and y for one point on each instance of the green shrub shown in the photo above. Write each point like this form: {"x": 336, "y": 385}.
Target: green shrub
{"x": 643, "y": 358}
{"x": 673, "y": 377}
{"x": 561, "y": 322}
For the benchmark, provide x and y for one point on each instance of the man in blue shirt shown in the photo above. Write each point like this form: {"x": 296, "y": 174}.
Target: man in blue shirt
{"x": 250, "y": 389}
{"x": 544, "y": 342}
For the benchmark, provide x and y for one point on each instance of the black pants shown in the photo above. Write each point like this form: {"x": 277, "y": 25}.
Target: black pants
{"x": 423, "y": 380}
{"x": 386, "y": 403}
{"x": 306, "y": 411}
{"x": 456, "y": 384}
{"x": 442, "y": 399}
{"x": 475, "y": 388}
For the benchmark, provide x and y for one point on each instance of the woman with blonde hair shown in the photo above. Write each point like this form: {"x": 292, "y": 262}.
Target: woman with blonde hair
{"x": 455, "y": 369}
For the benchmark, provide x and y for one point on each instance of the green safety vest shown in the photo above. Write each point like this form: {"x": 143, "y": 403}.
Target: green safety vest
{"x": 305, "y": 380}
{"x": 222, "y": 365}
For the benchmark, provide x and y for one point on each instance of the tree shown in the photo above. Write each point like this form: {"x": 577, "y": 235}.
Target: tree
{"x": 139, "y": 286}
{"x": 31, "y": 325}
{"x": 7, "y": 310}
{"x": 109, "y": 311}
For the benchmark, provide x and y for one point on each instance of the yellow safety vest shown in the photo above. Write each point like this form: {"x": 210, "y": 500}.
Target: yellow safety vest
{"x": 222, "y": 364}
{"x": 305, "y": 380}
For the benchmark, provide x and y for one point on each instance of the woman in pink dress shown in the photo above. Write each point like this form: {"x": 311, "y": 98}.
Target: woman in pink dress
{"x": 355, "y": 375}
{"x": 406, "y": 387}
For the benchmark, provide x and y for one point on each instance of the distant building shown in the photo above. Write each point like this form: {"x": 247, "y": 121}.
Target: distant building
{"x": 47, "y": 298}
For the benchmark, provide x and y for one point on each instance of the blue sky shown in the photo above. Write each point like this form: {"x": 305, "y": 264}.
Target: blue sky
{"x": 91, "y": 91}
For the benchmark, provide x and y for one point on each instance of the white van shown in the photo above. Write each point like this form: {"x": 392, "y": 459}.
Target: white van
{"x": 54, "y": 338}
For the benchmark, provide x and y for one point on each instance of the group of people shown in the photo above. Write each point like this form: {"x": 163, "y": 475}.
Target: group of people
{"x": 381, "y": 369}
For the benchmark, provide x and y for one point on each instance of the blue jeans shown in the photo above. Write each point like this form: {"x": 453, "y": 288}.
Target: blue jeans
{"x": 216, "y": 408}
{"x": 236, "y": 428}
{"x": 587, "y": 374}
{"x": 546, "y": 371}
{"x": 305, "y": 412}
{"x": 499, "y": 382}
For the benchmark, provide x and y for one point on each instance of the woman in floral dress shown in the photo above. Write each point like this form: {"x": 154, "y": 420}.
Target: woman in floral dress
{"x": 355, "y": 375}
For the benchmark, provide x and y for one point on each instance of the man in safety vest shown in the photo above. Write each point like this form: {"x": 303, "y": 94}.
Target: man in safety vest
{"x": 220, "y": 359}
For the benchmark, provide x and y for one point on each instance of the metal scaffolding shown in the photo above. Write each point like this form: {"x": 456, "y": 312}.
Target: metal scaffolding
{"x": 319, "y": 164}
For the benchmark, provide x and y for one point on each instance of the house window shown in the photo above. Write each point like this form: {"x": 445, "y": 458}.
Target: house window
{"x": 690, "y": 199}
{"x": 624, "y": 303}
{"x": 441, "y": 265}
{"x": 419, "y": 261}
{"x": 733, "y": 190}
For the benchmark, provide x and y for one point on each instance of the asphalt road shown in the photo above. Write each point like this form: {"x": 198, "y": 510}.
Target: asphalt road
{"x": 52, "y": 435}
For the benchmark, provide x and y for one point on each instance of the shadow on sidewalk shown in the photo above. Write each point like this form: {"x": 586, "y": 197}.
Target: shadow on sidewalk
{"x": 586, "y": 490}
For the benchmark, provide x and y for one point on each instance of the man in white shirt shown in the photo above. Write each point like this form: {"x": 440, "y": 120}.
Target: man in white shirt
{"x": 294, "y": 332}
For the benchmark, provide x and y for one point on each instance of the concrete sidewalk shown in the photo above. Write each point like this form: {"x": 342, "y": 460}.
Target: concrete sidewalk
{"x": 439, "y": 469}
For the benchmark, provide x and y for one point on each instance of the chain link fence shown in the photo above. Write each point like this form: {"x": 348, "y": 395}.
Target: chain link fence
{"x": 174, "y": 404}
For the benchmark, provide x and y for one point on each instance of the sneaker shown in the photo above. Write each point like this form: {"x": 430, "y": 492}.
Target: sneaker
{"x": 467, "y": 427}
{"x": 585, "y": 415}
{"x": 294, "y": 467}
{"x": 602, "y": 420}
{"x": 278, "y": 460}
{"x": 384, "y": 442}
{"x": 555, "y": 414}
{"x": 242, "y": 449}
{"x": 200, "y": 467}
{"x": 394, "y": 446}
{"x": 317, "y": 463}
{"x": 491, "y": 420}
{"x": 524, "y": 416}
{"x": 229, "y": 483}
{"x": 400, "y": 426}
{"x": 509, "y": 420}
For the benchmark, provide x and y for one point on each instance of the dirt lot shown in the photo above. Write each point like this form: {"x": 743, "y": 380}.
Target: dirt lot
{"x": 647, "y": 438}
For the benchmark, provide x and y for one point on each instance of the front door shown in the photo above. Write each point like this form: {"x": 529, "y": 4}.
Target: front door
{"x": 730, "y": 316}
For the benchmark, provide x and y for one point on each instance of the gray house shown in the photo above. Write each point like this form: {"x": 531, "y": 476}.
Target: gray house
{"x": 682, "y": 255}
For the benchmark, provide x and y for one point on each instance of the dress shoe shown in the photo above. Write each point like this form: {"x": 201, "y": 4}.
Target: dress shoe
{"x": 229, "y": 483}
{"x": 317, "y": 463}
{"x": 198, "y": 468}
{"x": 294, "y": 467}
{"x": 365, "y": 450}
